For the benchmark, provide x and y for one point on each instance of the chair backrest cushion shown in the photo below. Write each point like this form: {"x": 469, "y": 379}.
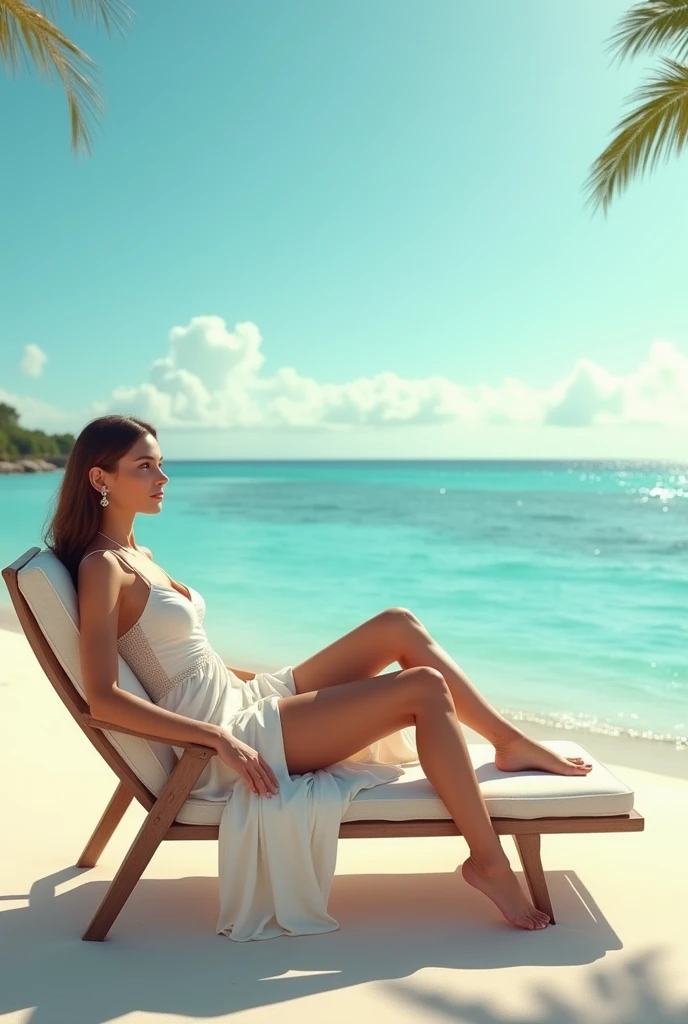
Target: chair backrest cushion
{"x": 49, "y": 592}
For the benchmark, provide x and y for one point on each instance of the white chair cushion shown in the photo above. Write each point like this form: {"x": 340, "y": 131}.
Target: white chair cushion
{"x": 49, "y": 592}
{"x": 47, "y": 587}
{"x": 528, "y": 794}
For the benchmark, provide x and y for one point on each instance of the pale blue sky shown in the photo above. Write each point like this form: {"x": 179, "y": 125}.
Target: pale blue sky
{"x": 377, "y": 186}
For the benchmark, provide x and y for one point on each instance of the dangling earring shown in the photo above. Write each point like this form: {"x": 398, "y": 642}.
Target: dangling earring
{"x": 103, "y": 500}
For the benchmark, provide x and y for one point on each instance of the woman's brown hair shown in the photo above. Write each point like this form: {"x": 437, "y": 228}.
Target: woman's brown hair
{"x": 77, "y": 514}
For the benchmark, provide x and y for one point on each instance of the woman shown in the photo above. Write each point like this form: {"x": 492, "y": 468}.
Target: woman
{"x": 293, "y": 747}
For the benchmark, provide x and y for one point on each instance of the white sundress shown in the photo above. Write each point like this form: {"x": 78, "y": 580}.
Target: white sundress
{"x": 276, "y": 856}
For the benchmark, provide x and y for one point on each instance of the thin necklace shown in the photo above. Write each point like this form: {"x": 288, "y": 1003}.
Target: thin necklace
{"x": 126, "y": 547}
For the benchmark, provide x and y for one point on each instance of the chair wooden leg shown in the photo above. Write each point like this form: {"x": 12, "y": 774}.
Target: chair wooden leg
{"x": 529, "y": 851}
{"x": 114, "y": 812}
{"x": 180, "y": 783}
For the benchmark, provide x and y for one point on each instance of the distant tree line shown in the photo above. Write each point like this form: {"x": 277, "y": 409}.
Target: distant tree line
{"x": 19, "y": 443}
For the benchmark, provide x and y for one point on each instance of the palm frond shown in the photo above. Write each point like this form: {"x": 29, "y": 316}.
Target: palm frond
{"x": 113, "y": 14}
{"x": 659, "y": 126}
{"x": 28, "y": 36}
{"x": 651, "y": 25}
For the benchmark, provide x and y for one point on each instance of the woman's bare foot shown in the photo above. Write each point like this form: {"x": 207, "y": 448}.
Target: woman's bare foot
{"x": 501, "y": 885}
{"x": 521, "y": 753}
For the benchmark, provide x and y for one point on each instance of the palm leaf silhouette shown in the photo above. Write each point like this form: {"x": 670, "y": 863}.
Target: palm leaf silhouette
{"x": 651, "y": 25}
{"x": 658, "y": 127}
{"x": 29, "y": 36}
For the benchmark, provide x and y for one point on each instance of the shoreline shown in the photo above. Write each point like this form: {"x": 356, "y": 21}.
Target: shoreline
{"x": 662, "y": 757}
{"x": 37, "y": 465}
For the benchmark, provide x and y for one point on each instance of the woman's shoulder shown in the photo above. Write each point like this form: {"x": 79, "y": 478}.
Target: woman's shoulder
{"x": 108, "y": 567}
{"x": 102, "y": 573}
{"x": 106, "y": 554}
{"x": 105, "y": 551}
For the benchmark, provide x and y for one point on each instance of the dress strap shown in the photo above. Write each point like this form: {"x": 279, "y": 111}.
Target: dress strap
{"x": 93, "y": 553}
{"x": 138, "y": 572}
{"x": 121, "y": 557}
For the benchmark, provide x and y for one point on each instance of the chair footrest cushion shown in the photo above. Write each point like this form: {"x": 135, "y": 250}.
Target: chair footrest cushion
{"x": 523, "y": 794}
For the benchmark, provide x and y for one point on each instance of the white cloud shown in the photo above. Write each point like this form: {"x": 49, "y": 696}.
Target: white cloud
{"x": 586, "y": 395}
{"x": 211, "y": 378}
{"x": 656, "y": 394}
{"x": 33, "y": 360}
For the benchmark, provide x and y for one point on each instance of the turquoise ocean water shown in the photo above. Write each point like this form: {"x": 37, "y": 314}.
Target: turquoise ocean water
{"x": 559, "y": 587}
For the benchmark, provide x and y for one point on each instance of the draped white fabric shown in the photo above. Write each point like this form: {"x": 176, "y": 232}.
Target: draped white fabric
{"x": 277, "y": 856}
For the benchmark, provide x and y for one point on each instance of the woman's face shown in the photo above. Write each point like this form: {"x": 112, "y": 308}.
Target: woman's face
{"x": 140, "y": 478}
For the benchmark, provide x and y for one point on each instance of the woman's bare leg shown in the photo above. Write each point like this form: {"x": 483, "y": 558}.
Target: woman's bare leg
{"x": 514, "y": 751}
{"x": 397, "y": 635}
{"x": 323, "y": 727}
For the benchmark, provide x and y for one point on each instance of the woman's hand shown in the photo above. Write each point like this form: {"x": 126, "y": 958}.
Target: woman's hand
{"x": 254, "y": 771}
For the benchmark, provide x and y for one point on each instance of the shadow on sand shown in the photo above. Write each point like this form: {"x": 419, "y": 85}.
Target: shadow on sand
{"x": 163, "y": 956}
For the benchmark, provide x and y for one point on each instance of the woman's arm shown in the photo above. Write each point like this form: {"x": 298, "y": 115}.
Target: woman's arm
{"x": 98, "y": 595}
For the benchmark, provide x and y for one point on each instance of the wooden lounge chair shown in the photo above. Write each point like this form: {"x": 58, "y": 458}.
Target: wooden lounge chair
{"x": 525, "y": 805}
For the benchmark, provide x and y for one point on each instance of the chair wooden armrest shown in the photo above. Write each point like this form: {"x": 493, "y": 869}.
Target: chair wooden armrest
{"x": 195, "y": 749}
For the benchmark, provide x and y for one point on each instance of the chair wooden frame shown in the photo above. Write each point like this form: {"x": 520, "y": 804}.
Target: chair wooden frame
{"x": 160, "y": 823}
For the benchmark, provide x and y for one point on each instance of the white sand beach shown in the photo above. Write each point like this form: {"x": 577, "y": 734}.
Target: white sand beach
{"x": 415, "y": 943}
